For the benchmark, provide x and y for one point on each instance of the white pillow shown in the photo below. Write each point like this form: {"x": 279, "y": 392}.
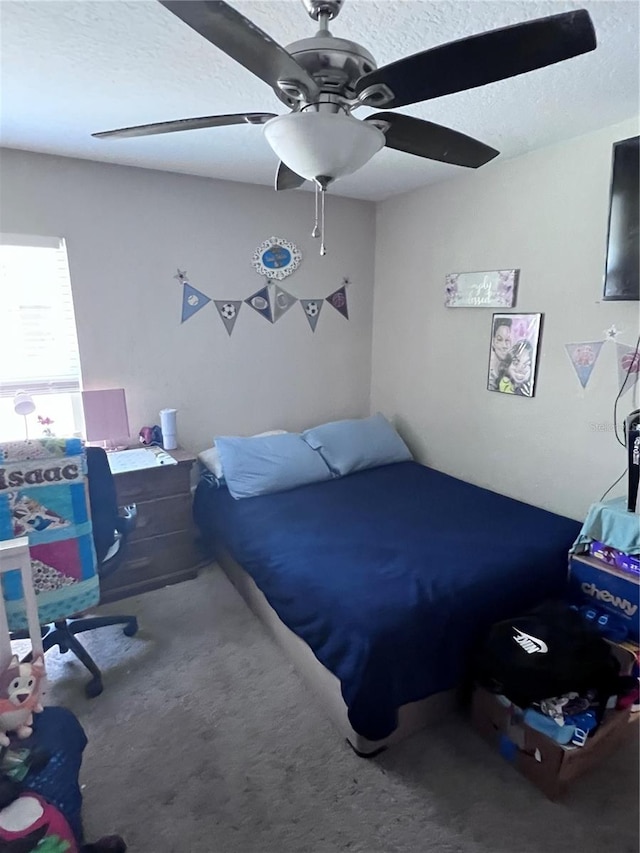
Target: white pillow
{"x": 210, "y": 458}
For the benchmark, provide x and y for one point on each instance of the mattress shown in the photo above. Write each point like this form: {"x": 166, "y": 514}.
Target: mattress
{"x": 391, "y": 575}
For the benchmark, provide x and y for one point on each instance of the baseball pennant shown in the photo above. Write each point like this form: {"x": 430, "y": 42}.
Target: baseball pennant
{"x": 628, "y": 361}
{"x": 228, "y": 311}
{"x": 281, "y": 302}
{"x": 192, "y": 301}
{"x": 311, "y": 308}
{"x": 583, "y": 357}
{"x": 261, "y": 303}
{"x": 339, "y": 300}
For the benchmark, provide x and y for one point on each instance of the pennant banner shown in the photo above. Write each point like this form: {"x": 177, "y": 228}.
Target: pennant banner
{"x": 192, "y": 301}
{"x": 261, "y": 303}
{"x": 583, "y": 357}
{"x": 272, "y": 302}
{"x": 311, "y": 308}
{"x": 281, "y": 302}
{"x": 228, "y": 312}
{"x": 339, "y": 301}
{"x": 628, "y": 361}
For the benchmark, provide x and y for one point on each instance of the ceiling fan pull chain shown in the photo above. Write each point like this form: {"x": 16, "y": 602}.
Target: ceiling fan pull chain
{"x": 323, "y": 192}
{"x": 316, "y": 230}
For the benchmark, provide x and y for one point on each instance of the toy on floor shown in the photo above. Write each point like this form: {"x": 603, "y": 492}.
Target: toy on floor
{"x": 29, "y": 823}
{"x": 20, "y": 685}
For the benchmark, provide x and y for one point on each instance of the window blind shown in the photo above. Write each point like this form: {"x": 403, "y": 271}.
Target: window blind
{"x": 38, "y": 343}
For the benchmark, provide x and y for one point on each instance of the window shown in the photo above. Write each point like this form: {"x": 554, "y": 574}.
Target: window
{"x": 38, "y": 342}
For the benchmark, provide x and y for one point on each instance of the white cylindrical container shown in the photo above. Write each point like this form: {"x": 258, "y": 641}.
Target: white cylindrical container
{"x": 168, "y": 427}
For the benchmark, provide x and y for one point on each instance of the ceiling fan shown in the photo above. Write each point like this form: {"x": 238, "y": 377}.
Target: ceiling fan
{"x": 323, "y": 79}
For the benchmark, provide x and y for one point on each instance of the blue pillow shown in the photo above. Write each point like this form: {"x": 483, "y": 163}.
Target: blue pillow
{"x": 354, "y": 445}
{"x": 258, "y": 465}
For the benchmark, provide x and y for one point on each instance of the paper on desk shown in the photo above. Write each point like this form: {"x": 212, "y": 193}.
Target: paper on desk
{"x": 144, "y": 457}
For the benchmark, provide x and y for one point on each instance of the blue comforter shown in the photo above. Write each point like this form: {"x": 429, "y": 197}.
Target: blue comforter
{"x": 390, "y": 575}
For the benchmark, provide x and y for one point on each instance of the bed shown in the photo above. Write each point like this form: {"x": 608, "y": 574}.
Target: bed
{"x": 379, "y": 583}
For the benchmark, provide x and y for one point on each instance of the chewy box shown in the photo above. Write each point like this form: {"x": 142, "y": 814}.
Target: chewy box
{"x": 547, "y": 764}
{"x": 605, "y": 588}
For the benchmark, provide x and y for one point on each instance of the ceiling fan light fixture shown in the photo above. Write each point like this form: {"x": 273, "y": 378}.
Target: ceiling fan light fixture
{"x": 325, "y": 144}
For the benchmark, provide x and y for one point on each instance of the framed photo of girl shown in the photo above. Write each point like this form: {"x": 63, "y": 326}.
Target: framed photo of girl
{"x": 513, "y": 353}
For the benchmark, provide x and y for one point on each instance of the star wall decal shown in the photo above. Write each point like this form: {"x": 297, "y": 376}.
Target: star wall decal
{"x": 181, "y": 276}
{"x": 612, "y": 332}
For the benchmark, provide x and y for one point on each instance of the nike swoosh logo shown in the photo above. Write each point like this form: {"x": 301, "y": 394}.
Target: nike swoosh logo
{"x": 530, "y": 643}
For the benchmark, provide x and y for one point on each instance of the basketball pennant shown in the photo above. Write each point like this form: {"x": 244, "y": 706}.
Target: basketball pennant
{"x": 583, "y": 357}
{"x": 339, "y": 301}
{"x": 628, "y": 361}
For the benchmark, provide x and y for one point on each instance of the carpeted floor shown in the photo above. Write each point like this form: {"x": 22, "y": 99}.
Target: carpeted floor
{"x": 206, "y": 741}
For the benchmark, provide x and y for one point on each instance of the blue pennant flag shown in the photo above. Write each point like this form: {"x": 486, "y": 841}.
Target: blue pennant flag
{"x": 192, "y": 301}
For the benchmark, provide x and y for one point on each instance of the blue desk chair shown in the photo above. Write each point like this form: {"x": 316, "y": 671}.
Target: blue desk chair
{"x": 62, "y": 496}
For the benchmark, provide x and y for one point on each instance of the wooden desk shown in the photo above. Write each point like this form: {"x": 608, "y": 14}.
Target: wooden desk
{"x": 161, "y": 550}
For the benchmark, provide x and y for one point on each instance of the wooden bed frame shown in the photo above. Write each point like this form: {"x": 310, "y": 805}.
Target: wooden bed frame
{"x": 411, "y": 717}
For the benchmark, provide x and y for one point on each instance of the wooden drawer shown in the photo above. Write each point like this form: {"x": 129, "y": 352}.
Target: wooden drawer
{"x": 151, "y": 483}
{"x": 165, "y": 515}
{"x": 151, "y": 563}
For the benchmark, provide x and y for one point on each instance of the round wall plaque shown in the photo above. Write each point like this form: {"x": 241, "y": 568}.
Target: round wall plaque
{"x": 276, "y": 258}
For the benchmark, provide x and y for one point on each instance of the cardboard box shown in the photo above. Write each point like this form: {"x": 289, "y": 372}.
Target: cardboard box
{"x": 625, "y": 562}
{"x": 547, "y": 764}
{"x": 605, "y": 588}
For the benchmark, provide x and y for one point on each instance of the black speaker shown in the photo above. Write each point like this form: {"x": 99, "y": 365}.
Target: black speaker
{"x": 632, "y": 436}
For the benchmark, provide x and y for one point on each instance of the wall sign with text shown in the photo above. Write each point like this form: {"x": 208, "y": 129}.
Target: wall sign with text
{"x": 492, "y": 289}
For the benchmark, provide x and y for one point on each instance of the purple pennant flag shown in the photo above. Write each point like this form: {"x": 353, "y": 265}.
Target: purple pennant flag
{"x": 192, "y": 301}
{"x": 339, "y": 301}
{"x": 583, "y": 357}
{"x": 261, "y": 303}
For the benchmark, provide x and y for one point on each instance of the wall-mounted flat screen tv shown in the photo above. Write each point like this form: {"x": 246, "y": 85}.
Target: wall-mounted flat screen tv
{"x": 622, "y": 274}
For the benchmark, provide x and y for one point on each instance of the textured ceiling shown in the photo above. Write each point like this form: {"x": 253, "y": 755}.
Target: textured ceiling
{"x": 70, "y": 68}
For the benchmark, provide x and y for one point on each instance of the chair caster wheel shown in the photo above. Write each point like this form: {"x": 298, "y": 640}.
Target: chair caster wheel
{"x": 131, "y": 629}
{"x": 93, "y": 688}
{"x": 63, "y": 650}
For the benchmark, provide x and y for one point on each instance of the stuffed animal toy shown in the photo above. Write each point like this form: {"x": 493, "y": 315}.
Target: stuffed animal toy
{"x": 19, "y": 697}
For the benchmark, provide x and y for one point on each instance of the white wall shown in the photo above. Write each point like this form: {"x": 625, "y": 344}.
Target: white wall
{"x": 127, "y": 232}
{"x": 546, "y": 214}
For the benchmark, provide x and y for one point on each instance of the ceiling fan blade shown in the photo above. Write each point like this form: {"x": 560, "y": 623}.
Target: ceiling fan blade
{"x": 287, "y": 179}
{"x": 425, "y": 139}
{"x": 185, "y": 124}
{"x": 243, "y": 41}
{"x": 484, "y": 58}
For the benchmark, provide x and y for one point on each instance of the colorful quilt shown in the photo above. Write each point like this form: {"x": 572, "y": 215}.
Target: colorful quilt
{"x": 44, "y": 496}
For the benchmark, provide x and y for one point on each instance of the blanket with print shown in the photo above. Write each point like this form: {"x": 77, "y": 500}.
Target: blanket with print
{"x": 44, "y": 496}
